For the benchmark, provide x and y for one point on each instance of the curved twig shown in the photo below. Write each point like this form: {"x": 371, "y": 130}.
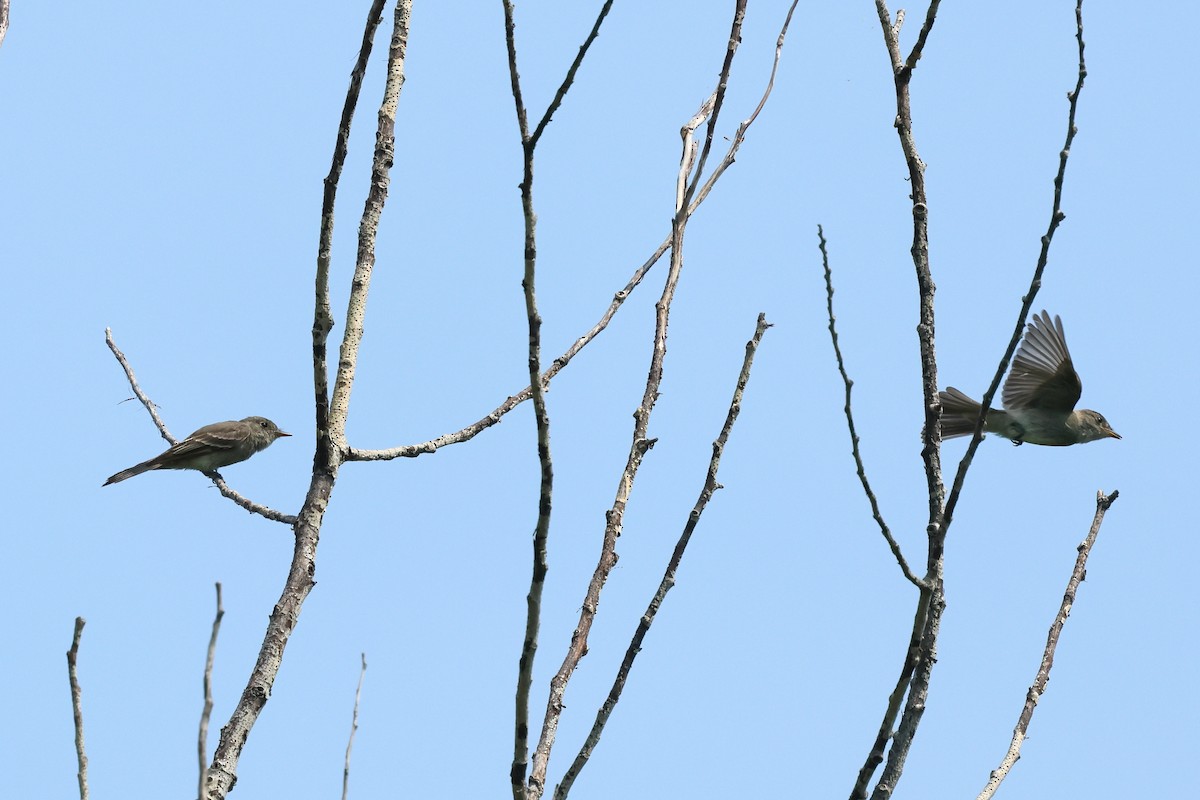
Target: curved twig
{"x": 858, "y": 462}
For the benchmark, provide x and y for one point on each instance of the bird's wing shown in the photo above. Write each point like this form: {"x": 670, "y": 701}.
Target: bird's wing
{"x": 1042, "y": 374}
{"x": 218, "y": 436}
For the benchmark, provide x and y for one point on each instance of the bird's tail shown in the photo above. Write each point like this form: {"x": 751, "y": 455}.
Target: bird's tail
{"x": 136, "y": 469}
{"x": 959, "y": 413}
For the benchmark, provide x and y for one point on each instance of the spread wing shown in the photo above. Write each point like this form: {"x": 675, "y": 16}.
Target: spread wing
{"x": 1042, "y": 374}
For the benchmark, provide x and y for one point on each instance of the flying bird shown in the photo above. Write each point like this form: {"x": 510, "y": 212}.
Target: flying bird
{"x": 1039, "y": 396}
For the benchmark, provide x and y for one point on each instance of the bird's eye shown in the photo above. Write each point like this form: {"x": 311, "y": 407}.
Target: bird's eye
{"x": 262, "y": 424}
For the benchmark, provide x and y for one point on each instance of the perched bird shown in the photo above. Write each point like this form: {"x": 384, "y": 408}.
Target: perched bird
{"x": 1039, "y": 396}
{"x": 211, "y": 447}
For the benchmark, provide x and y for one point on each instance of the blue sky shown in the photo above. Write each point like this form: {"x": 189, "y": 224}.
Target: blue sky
{"x": 164, "y": 178}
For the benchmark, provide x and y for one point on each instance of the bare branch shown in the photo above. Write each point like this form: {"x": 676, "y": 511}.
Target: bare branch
{"x": 497, "y": 414}
{"x": 322, "y": 313}
{"x": 151, "y": 409}
{"x": 353, "y": 728}
{"x": 718, "y": 96}
{"x": 537, "y": 580}
{"x": 77, "y": 705}
{"x": 858, "y": 462}
{"x": 896, "y": 699}
{"x": 902, "y": 75}
{"x": 570, "y": 77}
{"x": 916, "y": 671}
{"x": 202, "y": 739}
{"x": 668, "y": 580}
{"x": 510, "y": 39}
{"x": 1035, "y": 284}
{"x": 249, "y": 505}
{"x": 639, "y": 445}
{"x": 222, "y": 773}
{"x": 368, "y": 228}
{"x": 914, "y": 56}
{"x": 1038, "y": 688}
{"x": 537, "y": 387}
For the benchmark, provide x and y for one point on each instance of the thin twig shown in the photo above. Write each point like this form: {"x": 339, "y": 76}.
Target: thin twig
{"x": 146, "y": 402}
{"x": 668, "y": 580}
{"x": 619, "y": 298}
{"x": 1035, "y": 283}
{"x": 1038, "y": 688}
{"x": 353, "y": 728}
{"x": 77, "y": 706}
{"x": 849, "y": 384}
{"x": 222, "y": 773}
{"x": 212, "y": 475}
{"x": 570, "y": 76}
{"x": 206, "y": 712}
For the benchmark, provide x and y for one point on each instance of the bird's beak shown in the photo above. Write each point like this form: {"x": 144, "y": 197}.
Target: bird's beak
{"x": 285, "y": 433}
{"x": 1110, "y": 432}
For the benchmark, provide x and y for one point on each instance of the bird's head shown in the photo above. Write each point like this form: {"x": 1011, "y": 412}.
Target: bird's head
{"x": 1091, "y": 425}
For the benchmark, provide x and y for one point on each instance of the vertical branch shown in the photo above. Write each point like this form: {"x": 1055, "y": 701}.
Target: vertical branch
{"x": 537, "y": 582}
{"x": 206, "y": 713}
{"x": 639, "y": 445}
{"x": 668, "y": 580}
{"x": 1043, "y": 674}
{"x": 222, "y": 773}
{"x": 902, "y": 70}
{"x": 916, "y": 671}
{"x": 77, "y": 706}
{"x": 322, "y": 313}
{"x": 537, "y": 387}
{"x": 368, "y": 227}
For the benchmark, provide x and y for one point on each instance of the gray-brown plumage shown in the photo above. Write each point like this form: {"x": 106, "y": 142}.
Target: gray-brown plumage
{"x": 211, "y": 447}
{"x": 1039, "y": 396}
